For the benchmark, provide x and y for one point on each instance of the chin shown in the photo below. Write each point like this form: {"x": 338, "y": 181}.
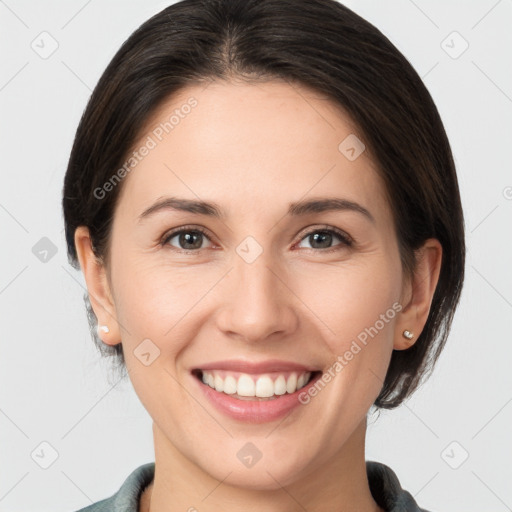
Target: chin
{"x": 271, "y": 477}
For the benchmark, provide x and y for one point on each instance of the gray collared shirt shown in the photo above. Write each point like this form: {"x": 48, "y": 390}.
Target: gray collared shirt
{"x": 384, "y": 486}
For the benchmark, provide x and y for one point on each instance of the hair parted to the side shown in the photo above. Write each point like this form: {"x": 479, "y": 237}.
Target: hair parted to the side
{"x": 320, "y": 44}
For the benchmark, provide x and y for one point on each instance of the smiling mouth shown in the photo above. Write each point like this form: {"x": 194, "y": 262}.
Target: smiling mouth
{"x": 262, "y": 387}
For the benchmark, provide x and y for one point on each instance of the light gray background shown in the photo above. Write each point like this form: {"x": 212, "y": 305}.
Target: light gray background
{"x": 54, "y": 388}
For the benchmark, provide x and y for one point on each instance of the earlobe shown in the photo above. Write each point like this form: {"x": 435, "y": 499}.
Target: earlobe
{"x": 422, "y": 286}
{"x": 98, "y": 288}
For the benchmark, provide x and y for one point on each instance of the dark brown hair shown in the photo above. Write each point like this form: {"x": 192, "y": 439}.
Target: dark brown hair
{"x": 320, "y": 44}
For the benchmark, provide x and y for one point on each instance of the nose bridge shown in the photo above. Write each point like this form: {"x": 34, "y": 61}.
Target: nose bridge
{"x": 259, "y": 303}
{"x": 258, "y": 279}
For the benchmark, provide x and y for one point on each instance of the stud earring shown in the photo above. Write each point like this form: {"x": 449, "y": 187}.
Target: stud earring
{"x": 104, "y": 328}
{"x": 408, "y": 334}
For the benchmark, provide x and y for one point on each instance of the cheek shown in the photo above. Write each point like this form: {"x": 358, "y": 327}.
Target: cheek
{"x": 153, "y": 299}
{"x": 157, "y": 302}
{"x": 356, "y": 307}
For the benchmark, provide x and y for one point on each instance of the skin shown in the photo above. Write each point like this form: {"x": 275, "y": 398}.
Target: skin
{"x": 253, "y": 149}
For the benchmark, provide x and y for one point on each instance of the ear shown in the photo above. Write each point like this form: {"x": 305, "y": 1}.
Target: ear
{"x": 419, "y": 290}
{"x": 98, "y": 287}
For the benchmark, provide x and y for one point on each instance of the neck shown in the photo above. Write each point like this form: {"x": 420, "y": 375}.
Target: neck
{"x": 179, "y": 484}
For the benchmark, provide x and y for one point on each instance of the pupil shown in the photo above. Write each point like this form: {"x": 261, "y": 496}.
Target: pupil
{"x": 322, "y": 235}
{"x": 187, "y": 238}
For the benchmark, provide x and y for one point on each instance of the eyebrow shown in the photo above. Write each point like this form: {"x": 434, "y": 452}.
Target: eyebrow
{"x": 297, "y": 209}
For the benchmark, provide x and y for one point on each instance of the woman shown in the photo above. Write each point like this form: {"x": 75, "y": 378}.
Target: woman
{"x": 263, "y": 201}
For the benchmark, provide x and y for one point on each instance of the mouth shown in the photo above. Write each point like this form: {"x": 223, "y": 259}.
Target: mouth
{"x": 255, "y": 387}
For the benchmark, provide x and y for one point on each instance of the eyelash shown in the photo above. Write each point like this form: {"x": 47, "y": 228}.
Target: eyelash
{"x": 346, "y": 240}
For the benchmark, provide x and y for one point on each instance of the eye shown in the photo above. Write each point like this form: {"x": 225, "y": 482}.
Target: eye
{"x": 190, "y": 239}
{"x": 187, "y": 238}
{"x": 321, "y": 238}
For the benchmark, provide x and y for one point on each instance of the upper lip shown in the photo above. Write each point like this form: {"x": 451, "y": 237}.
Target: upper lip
{"x": 244, "y": 366}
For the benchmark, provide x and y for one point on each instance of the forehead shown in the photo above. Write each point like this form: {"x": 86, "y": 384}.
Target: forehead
{"x": 251, "y": 145}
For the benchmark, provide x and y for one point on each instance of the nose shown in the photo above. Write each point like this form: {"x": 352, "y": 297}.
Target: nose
{"x": 258, "y": 302}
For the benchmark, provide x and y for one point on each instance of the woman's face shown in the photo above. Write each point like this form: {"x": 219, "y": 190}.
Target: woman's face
{"x": 265, "y": 284}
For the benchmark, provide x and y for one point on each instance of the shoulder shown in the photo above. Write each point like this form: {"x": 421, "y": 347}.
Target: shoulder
{"x": 126, "y": 499}
{"x": 387, "y": 491}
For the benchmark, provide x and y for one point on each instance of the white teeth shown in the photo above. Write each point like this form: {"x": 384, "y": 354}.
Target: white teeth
{"x": 246, "y": 385}
{"x": 264, "y": 387}
{"x": 230, "y": 385}
{"x": 219, "y": 383}
{"x": 291, "y": 383}
{"x": 280, "y": 385}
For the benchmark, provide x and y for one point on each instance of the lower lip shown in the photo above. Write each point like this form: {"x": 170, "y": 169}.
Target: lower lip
{"x": 255, "y": 411}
